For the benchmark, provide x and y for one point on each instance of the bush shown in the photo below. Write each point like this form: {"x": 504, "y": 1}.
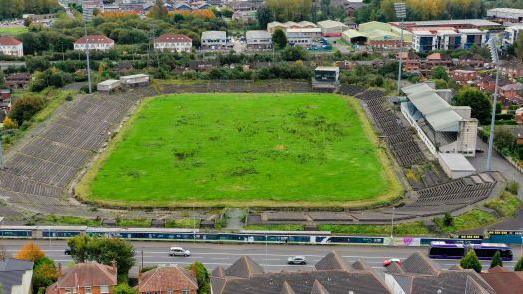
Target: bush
{"x": 512, "y": 187}
{"x": 519, "y": 265}
{"x": 448, "y": 220}
{"x": 496, "y": 260}
{"x": 9, "y": 124}
{"x": 202, "y": 276}
{"x": 294, "y": 53}
{"x": 25, "y": 108}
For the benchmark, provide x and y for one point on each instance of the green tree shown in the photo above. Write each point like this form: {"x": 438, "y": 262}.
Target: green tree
{"x": 202, "y": 276}
{"x": 470, "y": 261}
{"x": 105, "y": 251}
{"x": 496, "y": 260}
{"x": 478, "y": 101}
{"x": 439, "y": 72}
{"x": 2, "y": 79}
{"x": 124, "y": 288}
{"x": 159, "y": 11}
{"x": 504, "y": 139}
{"x": 24, "y": 108}
{"x": 45, "y": 274}
{"x": 279, "y": 39}
{"x": 519, "y": 265}
{"x": 294, "y": 53}
{"x": 448, "y": 220}
{"x": 264, "y": 16}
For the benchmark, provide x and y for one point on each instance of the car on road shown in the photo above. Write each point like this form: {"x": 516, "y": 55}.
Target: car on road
{"x": 390, "y": 261}
{"x": 67, "y": 251}
{"x": 179, "y": 251}
{"x": 297, "y": 260}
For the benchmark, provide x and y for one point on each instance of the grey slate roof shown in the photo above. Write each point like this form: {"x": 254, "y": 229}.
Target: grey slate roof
{"x": 419, "y": 264}
{"x": 287, "y": 289}
{"x": 317, "y": 288}
{"x": 244, "y": 267}
{"x": 12, "y": 271}
{"x": 332, "y": 261}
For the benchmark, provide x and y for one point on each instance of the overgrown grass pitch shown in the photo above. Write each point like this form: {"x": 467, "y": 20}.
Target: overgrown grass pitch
{"x": 243, "y": 149}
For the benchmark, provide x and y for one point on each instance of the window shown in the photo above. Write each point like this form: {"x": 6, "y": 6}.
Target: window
{"x": 170, "y": 291}
{"x": 68, "y": 290}
{"x": 104, "y": 289}
{"x": 185, "y": 291}
{"x": 88, "y": 290}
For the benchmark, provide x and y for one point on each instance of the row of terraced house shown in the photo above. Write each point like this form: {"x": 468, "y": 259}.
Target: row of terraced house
{"x": 330, "y": 275}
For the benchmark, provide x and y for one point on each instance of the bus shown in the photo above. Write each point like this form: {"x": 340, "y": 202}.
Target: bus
{"x": 484, "y": 251}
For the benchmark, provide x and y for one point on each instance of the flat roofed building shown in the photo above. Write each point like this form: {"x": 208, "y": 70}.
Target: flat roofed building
{"x": 455, "y": 165}
{"x": 427, "y": 39}
{"x": 94, "y": 42}
{"x": 329, "y": 74}
{"x": 354, "y": 37}
{"x": 108, "y": 85}
{"x": 511, "y": 34}
{"x": 215, "y": 40}
{"x": 332, "y": 28}
{"x": 135, "y": 80}
{"x": 452, "y": 23}
{"x": 173, "y": 43}
{"x": 258, "y": 40}
{"x": 273, "y": 26}
{"x": 11, "y": 47}
{"x": 383, "y": 35}
{"x": 442, "y": 127}
{"x": 302, "y": 36}
{"x": 506, "y": 14}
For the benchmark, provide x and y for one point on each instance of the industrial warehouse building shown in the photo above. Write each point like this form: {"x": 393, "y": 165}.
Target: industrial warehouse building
{"x": 442, "y": 127}
{"x": 332, "y": 28}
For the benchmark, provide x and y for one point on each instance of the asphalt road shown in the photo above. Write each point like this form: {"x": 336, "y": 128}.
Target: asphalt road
{"x": 271, "y": 257}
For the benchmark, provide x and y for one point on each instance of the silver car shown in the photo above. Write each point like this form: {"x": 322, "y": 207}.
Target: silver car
{"x": 297, "y": 260}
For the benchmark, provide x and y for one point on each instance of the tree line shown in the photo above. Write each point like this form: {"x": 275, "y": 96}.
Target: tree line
{"x": 383, "y": 10}
{"x": 15, "y": 8}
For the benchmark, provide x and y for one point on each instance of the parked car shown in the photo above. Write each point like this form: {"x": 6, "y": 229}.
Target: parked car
{"x": 390, "y": 261}
{"x": 297, "y": 260}
{"x": 179, "y": 251}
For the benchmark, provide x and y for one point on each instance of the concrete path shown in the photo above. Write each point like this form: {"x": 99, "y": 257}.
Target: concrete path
{"x": 235, "y": 219}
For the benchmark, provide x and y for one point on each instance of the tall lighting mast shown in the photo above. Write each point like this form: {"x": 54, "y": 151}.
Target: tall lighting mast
{"x": 401, "y": 13}
{"x": 87, "y": 15}
{"x": 495, "y": 59}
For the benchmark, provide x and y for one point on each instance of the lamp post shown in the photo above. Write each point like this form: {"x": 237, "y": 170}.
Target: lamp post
{"x": 401, "y": 14}
{"x": 87, "y": 15}
{"x": 495, "y": 59}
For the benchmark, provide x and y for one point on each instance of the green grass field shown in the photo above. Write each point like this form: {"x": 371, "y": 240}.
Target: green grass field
{"x": 243, "y": 150}
{"x": 12, "y": 31}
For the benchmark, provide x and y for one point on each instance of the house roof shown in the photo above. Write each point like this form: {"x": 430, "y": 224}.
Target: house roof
{"x": 257, "y": 34}
{"x": 163, "y": 279}
{"x": 513, "y": 87}
{"x": 420, "y": 264}
{"x": 9, "y": 41}
{"x": 12, "y": 272}
{"x": 317, "y": 288}
{"x": 287, "y": 289}
{"x": 328, "y": 24}
{"x": 332, "y": 261}
{"x": 94, "y": 39}
{"x": 504, "y": 281}
{"x": 244, "y": 267}
{"x": 214, "y": 35}
{"x": 172, "y": 38}
{"x": 87, "y": 274}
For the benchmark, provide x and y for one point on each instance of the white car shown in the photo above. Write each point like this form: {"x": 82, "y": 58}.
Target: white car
{"x": 179, "y": 251}
{"x": 297, "y": 260}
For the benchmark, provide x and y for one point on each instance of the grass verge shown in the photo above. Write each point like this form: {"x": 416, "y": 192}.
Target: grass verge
{"x": 275, "y": 227}
{"x": 187, "y": 223}
{"x": 404, "y": 229}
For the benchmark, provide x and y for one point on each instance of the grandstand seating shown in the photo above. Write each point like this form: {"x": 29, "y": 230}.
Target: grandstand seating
{"x": 40, "y": 171}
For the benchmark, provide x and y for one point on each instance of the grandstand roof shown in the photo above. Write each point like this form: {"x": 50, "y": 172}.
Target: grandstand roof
{"x": 438, "y": 113}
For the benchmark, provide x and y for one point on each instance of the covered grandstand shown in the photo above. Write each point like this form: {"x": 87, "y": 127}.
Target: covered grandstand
{"x": 442, "y": 127}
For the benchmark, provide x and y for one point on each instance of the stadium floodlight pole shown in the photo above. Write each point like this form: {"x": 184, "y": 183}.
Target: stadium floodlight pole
{"x": 495, "y": 59}
{"x": 87, "y": 53}
{"x": 2, "y": 162}
{"x": 401, "y": 13}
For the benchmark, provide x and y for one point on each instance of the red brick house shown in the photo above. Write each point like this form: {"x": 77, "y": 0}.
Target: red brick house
{"x": 464, "y": 77}
{"x": 512, "y": 93}
{"x": 511, "y": 70}
{"x": 86, "y": 278}
{"x": 504, "y": 281}
{"x": 167, "y": 280}
{"x": 488, "y": 83}
{"x": 519, "y": 116}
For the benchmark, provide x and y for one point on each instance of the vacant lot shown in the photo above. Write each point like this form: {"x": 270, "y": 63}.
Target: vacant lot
{"x": 243, "y": 150}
